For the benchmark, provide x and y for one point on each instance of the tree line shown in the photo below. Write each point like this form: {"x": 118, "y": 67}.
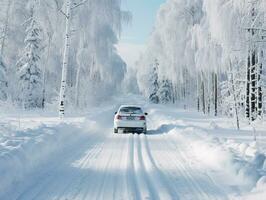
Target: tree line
{"x": 209, "y": 55}
{"x": 59, "y": 52}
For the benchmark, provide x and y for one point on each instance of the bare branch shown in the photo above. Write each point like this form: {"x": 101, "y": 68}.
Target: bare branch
{"x": 62, "y": 12}
{"x": 26, "y": 21}
{"x": 79, "y": 4}
{"x": 254, "y": 28}
{"x": 58, "y": 8}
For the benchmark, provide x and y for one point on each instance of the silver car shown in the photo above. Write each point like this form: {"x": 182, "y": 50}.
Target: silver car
{"x": 130, "y": 118}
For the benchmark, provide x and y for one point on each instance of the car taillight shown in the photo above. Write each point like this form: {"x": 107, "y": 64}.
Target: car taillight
{"x": 119, "y": 117}
{"x": 142, "y": 118}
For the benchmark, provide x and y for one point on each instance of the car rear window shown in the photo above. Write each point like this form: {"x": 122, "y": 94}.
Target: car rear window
{"x": 131, "y": 110}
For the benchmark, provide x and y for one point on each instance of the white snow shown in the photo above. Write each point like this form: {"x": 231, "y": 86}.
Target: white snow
{"x": 184, "y": 156}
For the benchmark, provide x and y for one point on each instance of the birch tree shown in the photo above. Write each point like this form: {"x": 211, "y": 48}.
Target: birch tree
{"x": 70, "y": 6}
{"x": 65, "y": 59}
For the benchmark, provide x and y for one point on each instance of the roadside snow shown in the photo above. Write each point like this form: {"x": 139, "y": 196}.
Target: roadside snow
{"x": 184, "y": 155}
{"x": 22, "y": 152}
{"x": 220, "y": 148}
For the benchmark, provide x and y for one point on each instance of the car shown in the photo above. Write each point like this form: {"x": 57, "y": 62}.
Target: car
{"x": 130, "y": 119}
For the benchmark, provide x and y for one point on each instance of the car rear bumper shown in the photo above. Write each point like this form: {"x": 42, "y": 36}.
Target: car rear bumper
{"x": 132, "y": 130}
{"x": 130, "y": 124}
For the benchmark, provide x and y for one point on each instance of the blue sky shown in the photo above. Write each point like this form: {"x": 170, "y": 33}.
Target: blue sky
{"x": 134, "y": 37}
{"x": 144, "y": 14}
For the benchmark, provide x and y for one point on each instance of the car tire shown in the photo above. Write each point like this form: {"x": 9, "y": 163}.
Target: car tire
{"x": 115, "y": 130}
{"x": 145, "y": 132}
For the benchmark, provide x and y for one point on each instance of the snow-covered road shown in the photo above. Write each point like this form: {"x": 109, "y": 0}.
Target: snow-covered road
{"x": 171, "y": 162}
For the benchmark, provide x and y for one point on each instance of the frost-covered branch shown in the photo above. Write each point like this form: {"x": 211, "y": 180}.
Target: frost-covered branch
{"x": 75, "y": 5}
{"x": 58, "y": 8}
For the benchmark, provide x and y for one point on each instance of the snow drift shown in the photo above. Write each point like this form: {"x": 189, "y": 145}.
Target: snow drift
{"x": 23, "y": 152}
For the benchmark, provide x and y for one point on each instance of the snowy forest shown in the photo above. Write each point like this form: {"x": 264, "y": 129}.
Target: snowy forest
{"x": 209, "y": 55}
{"x": 56, "y": 48}
{"x": 204, "y": 54}
{"x": 132, "y": 99}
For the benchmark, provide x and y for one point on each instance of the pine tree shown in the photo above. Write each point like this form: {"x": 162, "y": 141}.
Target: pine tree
{"x": 29, "y": 73}
{"x": 155, "y": 84}
{"x": 165, "y": 92}
{"x": 3, "y": 81}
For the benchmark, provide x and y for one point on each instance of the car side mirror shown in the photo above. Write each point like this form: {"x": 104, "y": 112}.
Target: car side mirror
{"x": 146, "y": 113}
{"x": 115, "y": 113}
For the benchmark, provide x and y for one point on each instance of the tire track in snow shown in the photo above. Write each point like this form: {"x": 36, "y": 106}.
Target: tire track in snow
{"x": 88, "y": 191}
{"x": 132, "y": 184}
{"x": 148, "y": 190}
{"x": 74, "y": 185}
{"x": 71, "y": 185}
{"x": 120, "y": 189}
{"x": 109, "y": 183}
{"x": 164, "y": 185}
{"x": 49, "y": 179}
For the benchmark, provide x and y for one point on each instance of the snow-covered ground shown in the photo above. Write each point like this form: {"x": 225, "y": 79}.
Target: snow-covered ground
{"x": 185, "y": 155}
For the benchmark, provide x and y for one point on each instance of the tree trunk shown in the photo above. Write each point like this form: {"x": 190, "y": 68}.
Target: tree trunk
{"x": 253, "y": 83}
{"x": 215, "y": 94}
{"x": 248, "y": 114}
{"x": 65, "y": 60}
{"x": 236, "y": 104}
{"x": 44, "y": 72}
{"x": 260, "y": 95}
{"x": 234, "y": 96}
{"x": 209, "y": 93}
{"x": 198, "y": 93}
{"x": 203, "y": 97}
{"x": 77, "y": 86}
{"x": 6, "y": 27}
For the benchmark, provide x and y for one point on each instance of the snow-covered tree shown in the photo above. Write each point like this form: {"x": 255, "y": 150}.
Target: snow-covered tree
{"x": 97, "y": 68}
{"x": 154, "y": 98}
{"x": 29, "y": 70}
{"x": 196, "y": 40}
{"x": 63, "y": 86}
{"x": 256, "y": 33}
{"x": 3, "y": 81}
{"x": 94, "y": 31}
{"x": 5, "y": 29}
{"x": 165, "y": 92}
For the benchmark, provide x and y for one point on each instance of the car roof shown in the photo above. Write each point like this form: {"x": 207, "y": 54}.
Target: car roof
{"x": 122, "y": 106}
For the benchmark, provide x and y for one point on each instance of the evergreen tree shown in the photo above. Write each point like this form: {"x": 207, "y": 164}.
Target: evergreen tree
{"x": 165, "y": 94}
{"x": 3, "y": 81}
{"x": 29, "y": 73}
{"x": 155, "y": 84}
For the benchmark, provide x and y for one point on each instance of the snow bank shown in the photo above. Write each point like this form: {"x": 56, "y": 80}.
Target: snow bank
{"x": 232, "y": 157}
{"x": 242, "y": 162}
{"x": 21, "y": 152}
{"x": 259, "y": 192}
